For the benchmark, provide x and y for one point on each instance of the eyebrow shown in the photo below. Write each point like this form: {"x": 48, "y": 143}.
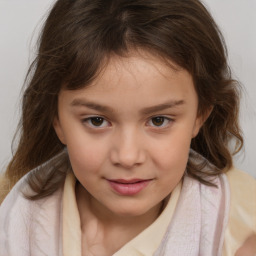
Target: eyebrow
{"x": 106, "y": 109}
{"x": 91, "y": 105}
{"x": 163, "y": 106}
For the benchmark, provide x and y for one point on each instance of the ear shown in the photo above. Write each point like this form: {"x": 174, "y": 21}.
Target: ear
{"x": 200, "y": 120}
{"x": 59, "y": 131}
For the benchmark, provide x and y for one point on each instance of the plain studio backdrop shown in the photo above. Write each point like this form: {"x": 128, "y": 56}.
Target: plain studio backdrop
{"x": 20, "y": 21}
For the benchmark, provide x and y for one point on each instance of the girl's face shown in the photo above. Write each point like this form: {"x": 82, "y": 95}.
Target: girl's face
{"x": 128, "y": 134}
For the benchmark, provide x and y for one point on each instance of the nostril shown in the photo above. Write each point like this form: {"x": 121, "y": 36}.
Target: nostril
{"x": 127, "y": 160}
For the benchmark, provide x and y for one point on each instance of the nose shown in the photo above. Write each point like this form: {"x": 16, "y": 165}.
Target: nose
{"x": 128, "y": 150}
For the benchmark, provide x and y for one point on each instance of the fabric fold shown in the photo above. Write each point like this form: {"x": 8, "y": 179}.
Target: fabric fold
{"x": 200, "y": 220}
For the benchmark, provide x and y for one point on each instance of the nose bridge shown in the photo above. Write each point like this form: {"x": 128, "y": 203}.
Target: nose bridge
{"x": 128, "y": 148}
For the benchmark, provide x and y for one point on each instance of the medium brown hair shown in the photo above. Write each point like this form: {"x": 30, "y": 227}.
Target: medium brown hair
{"x": 79, "y": 35}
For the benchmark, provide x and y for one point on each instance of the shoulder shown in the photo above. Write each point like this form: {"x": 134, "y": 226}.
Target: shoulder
{"x": 16, "y": 198}
{"x": 242, "y": 195}
{"x": 22, "y": 219}
{"x": 238, "y": 177}
{"x": 242, "y": 214}
{"x": 242, "y": 192}
{"x": 4, "y": 187}
{"x": 15, "y": 205}
{"x": 12, "y": 199}
{"x": 14, "y": 216}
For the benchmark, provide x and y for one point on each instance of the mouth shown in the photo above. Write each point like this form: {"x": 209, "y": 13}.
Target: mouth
{"x": 128, "y": 187}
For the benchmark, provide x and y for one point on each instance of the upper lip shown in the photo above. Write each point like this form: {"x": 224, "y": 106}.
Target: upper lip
{"x": 128, "y": 181}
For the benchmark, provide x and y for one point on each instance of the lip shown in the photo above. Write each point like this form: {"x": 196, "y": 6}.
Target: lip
{"x": 128, "y": 187}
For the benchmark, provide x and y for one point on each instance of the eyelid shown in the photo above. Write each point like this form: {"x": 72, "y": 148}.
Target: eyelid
{"x": 87, "y": 120}
{"x": 167, "y": 118}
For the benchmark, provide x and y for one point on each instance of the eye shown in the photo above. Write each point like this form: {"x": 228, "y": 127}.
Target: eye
{"x": 96, "y": 122}
{"x": 159, "y": 121}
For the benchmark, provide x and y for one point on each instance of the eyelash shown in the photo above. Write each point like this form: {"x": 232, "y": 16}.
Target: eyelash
{"x": 166, "y": 122}
{"x": 88, "y": 121}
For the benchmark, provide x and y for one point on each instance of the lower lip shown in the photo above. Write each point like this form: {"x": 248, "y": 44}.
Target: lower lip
{"x": 128, "y": 189}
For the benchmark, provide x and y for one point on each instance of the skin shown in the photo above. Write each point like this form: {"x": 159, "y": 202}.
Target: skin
{"x": 135, "y": 121}
{"x": 248, "y": 248}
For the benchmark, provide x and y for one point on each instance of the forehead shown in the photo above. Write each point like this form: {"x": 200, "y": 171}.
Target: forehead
{"x": 135, "y": 77}
{"x": 138, "y": 68}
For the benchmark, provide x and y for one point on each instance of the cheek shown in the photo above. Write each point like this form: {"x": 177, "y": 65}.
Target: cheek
{"x": 172, "y": 154}
{"x": 86, "y": 157}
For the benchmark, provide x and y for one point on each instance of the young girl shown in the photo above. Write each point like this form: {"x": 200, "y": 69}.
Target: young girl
{"x": 126, "y": 137}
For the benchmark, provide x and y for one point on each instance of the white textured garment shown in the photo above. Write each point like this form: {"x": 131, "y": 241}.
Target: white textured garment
{"x": 199, "y": 221}
{"x": 30, "y": 228}
{"x": 197, "y": 228}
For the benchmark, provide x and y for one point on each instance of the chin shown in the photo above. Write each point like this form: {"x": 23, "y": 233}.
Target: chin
{"x": 135, "y": 211}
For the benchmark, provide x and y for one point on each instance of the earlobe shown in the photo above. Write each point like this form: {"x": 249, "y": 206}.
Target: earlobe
{"x": 58, "y": 129}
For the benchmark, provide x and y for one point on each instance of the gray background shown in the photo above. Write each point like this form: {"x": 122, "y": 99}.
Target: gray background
{"x": 20, "y": 21}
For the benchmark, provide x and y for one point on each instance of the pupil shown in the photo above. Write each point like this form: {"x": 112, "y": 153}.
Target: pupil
{"x": 157, "y": 121}
{"x": 97, "y": 121}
